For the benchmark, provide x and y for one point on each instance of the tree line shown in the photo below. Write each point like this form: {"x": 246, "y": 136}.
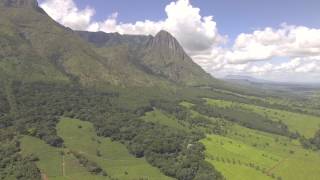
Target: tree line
{"x": 311, "y": 143}
{"x": 245, "y": 118}
{"x": 217, "y": 126}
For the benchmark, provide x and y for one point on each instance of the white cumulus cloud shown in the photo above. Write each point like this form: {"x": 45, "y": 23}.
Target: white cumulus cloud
{"x": 67, "y": 13}
{"x": 287, "y": 41}
{"x": 194, "y": 32}
{"x": 252, "y": 53}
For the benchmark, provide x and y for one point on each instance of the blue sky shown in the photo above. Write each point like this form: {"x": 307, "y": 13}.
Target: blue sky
{"x": 272, "y": 39}
{"x": 233, "y": 16}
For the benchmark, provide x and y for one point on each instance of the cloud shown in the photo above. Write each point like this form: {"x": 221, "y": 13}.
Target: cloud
{"x": 288, "y": 41}
{"x": 297, "y": 47}
{"x": 296, "y": 68}
{"x": 194, "y": 32}
{"x": 67, "y": 13}
{"x": 111, "y": 24}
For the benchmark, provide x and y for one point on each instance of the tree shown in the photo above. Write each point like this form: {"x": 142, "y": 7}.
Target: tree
{"x": 316, "y": 139}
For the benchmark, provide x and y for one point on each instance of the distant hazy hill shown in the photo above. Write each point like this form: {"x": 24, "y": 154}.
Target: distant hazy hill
{"x": 238, "y": 78}
{"x": 273, "y": 87}
{"x": 36, "y": 48}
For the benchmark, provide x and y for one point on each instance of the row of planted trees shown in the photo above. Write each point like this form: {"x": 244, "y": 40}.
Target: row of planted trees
{"x": 254, "y": 166}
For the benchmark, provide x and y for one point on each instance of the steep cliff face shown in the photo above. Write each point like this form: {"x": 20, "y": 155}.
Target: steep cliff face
{"x": 166, "y": 57}
{"x": 167, "y": 45}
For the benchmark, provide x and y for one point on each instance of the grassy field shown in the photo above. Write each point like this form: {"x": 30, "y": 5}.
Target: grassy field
{"x": 114, "y": 158}
{"x": 249, "y": 154}
{"x": 157, "y": 116}
{"x": 239, "y": 172}
{"x": 80, "y": 136}
{"x": 53, "y": 164}
{"x": 293, "y": 100}
{"x": 306, "y": 125}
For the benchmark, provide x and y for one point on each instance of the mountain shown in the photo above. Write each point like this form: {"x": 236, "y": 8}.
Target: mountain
{"x": 36, "y": 48}
{"x": 102, "y": 39}
{"x": 165, "y": 57}
{"x": 161, "y": 55}
{"x": 19, "y": 59}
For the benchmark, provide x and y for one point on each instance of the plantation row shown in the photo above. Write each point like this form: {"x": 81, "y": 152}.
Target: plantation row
{"x": 245, "y": 118}
{"x": 250, "y": 119}
{"x": 183, "y": 114}
{"x": 240, "y": 163}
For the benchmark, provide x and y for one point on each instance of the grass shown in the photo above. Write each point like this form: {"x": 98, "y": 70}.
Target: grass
{"x": 50, "y": 158}
{"x": 186, "y": 104}
{"x": 114, "y": 157}
{"x": 306, "y": 125}
{"x": 51, "y": 161}
{"x": 158, "y": 116}
{"x": 163, "y": 118}
{"x": 227, "y": 149}
{"x": 238, "y": 172}
{"x": 80, "y": 136}
{"x": 249, "y": 154}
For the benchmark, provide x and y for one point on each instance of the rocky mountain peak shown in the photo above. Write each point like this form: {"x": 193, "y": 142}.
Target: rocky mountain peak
{"x": 166, "y": 44}
{"x": 164, "y": 34}
{"x": 20, "y": 3}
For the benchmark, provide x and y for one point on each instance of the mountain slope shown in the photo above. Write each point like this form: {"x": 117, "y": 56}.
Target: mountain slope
{"x": 18, "y": 58}
{"x": 121, "y": 52}
{"x": 34, "y": 48}
{"x": 160, "y": 56}
{"x": 167, "y": 58}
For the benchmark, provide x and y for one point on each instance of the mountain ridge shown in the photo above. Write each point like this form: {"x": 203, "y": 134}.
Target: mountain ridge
{"x": 108, "y": 59}
{"x": 160, "y": 55}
